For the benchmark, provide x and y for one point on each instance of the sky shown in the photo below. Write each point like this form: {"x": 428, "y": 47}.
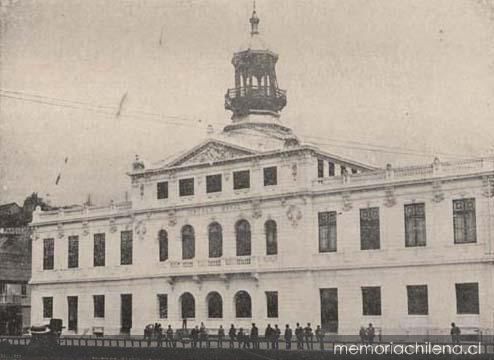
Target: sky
{"x": 397, "y": 81}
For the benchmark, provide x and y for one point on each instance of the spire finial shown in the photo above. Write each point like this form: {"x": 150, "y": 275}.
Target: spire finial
{"x": 254, "y": 20}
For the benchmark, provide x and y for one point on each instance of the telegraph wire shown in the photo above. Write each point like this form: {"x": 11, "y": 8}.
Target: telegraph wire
{"x": 194, "y": 123}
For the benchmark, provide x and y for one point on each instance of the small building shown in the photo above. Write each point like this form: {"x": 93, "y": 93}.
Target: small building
{"x": 254, "y": 225}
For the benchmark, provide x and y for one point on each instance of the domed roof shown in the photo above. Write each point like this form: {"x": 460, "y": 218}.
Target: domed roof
{"x": 254, "y": 42}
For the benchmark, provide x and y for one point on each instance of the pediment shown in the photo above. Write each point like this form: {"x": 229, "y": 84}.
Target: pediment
{"x": 210, "y": 152}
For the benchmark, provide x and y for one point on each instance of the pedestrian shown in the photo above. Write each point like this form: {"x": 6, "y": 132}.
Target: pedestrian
{"x": 240, "y": 338}
{"x": 308, "y": 337}
{"x": 169, "y": 336}
{"x": 276, "y": 336}
{"x": 320, "y": 337}
{"x": 194, "y": 334}
{"x": 268, "y": 333}
{"x": 455, "y": 333}
{"x": 362, "y": 334}
{"x": 159, "y": 334}
{"x": 254, "y": 336}
{"x": 299, "y": 335}
{"x": 221, "y": 336}
{"x": 288, "y": 337}
{"x": 202, "y": 335}
{"x": 370, "y": 333}
{"x": 232, "y": 333}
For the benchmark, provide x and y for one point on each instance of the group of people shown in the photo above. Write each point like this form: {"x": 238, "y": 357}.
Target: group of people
{"x": 367, "y": 335}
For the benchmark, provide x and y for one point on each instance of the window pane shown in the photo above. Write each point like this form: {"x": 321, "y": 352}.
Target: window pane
{"x": 272, "y": 304}
{"x": 241, "y": 179}
{"x": 371, "y": 300}
{"x": 188, "y": 306}
{"x": 213, "y": 183}
{"x": 320, "y": 168}
{"x": 464, "y": 222}
{"x": 188, "y": 242}
{"x": 467, "y": 298}
{"x": 242, "y": 233}
{"x": 162, "y": 190}
{"x": 163, "y": 306}
{"x": 99, "y": 250}
{"x": 330, "y": 168}
{"x": 215, "y": 240}
{"x": 417, "y": 300}
{"x": 126, "y": 247}
{"x": 47, "y": 307}
{"x": 215, "y": 305}
{"x": 327, "y": 231}
{"x": 271, "y": 237}
{"x": 73, "y": 260}
{"x": 270, "y": 176}
{"x": 243, "y": 305}
{"x": 186, "y": 187}
{"x": 163, "y": 243}
{"x": 48, "y": 252}
{"x": 415, "y": 233}
{"x": 369, "y": 229}
{"x": 99, "y": 306}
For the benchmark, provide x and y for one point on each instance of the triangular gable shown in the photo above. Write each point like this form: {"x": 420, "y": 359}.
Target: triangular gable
{"x": 209, "y": 152}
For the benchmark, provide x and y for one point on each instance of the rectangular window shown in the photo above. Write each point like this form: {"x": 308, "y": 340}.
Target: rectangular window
{"x": 467, "y": 298}
{"x": 272, "y": 303}
{"x": 371, "y": 300}
{"x": 73, "y": 260}
{"x": 369, "y": 229}
{"x": 24, "y": 290}
{"x": 162, "y": 190}
{"x": 99, "y": 250}
{"x": 126, "y": 247}
{"x": 330, "y": 168}
{"x": 270, "y": 176}
{"x": 48, "y": 252}
{"x": 241, "y": 179}
{"x": 186, "y": 187}
{"x": 354, "y": 171}
{"x": 47, "y": 307}
{"x": 3, "y": 287}
{"x": 327, "y": 231}
{"x": 72, "y": 302}
{"x": 417, "y": 300}
{"x": 415, "y": 234}
{"x": 163, "y": 306}
{"x": 213, "y": 183}
{"x": 320, "y": 168}
{"x": 99, "y": 306}
{"x": 464, "y": 222}
{"x": 343, "y": 170}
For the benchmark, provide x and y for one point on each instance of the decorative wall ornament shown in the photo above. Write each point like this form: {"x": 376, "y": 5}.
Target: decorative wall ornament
{"x": 172, "y": 218}
{"x": 488, "y": 186}
{"x": 256, "y": 209}
{"x": 35, "y": 233}
{"x": 141, "y": 189}
{"x": 390, "y": 198}
{"x": 347, "y": 201}
{"x": 294, "y": 171}
{"x": 140, "y": 229}
{"x": 283, "y": 201}
{"x": 294, "y": 214}
{"x": 256, "y": 163}
{"x": 60, "y": 230}
{"x": 226, "y": 176}
{"x": 210, "y": 153}
{"x": 437, "y": 191}
{"x": 85, "y": 228}
{"x": 113, "y": 225}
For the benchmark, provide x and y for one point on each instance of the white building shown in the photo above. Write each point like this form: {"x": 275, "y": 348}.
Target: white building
{"x": 252, "y": 225}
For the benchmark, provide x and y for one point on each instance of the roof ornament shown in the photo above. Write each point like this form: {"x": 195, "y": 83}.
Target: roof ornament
{"x": 254, "y": 21}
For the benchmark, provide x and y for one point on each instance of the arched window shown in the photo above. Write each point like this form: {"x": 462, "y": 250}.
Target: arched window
{"x": 271, "y": 237}
{"x": 215, "y": 305}
{"x": 243, "y": 305}
{"x": 163, "y": 240}
{"x": 188, "y": 306}
{"x": 242, "y": 233}
{"x": 188, "y": 242}
{"x": 215, "y": 234}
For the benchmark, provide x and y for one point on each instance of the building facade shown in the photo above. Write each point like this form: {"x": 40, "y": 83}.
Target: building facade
{"x": 15, "y": 270}
{"x": 253, "y": 225}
